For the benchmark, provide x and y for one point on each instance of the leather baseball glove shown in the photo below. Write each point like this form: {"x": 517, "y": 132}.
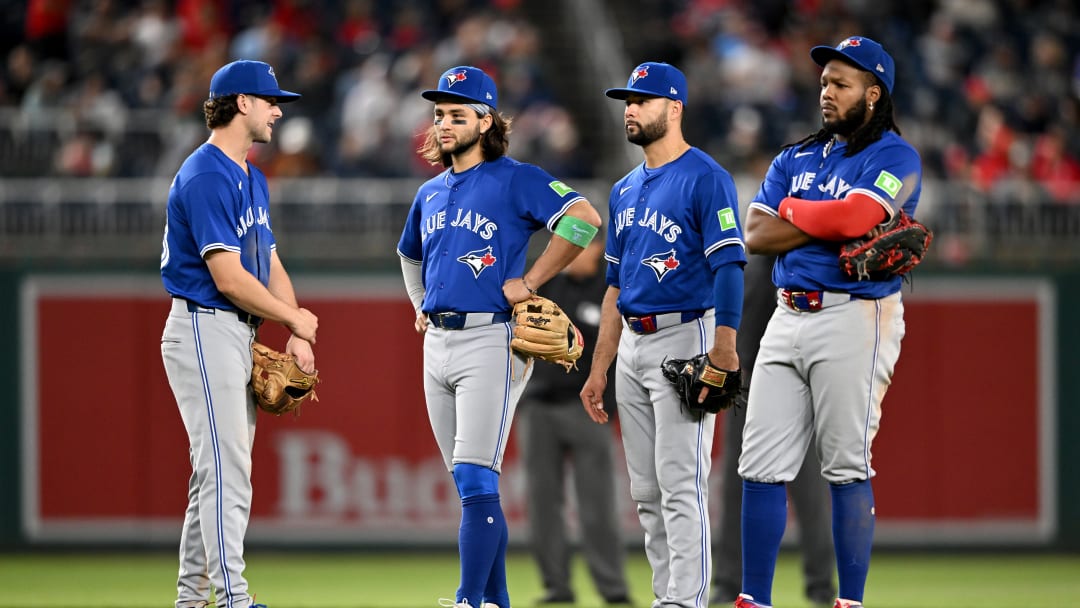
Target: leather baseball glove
{"x": 892, "y": 249}
{"x": 544, "y": 331}
{"x": 691, "y": 375}
{"x": 279, "y": 384}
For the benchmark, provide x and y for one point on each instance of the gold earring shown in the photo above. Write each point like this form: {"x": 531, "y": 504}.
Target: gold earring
{"x": 871, "y": 106}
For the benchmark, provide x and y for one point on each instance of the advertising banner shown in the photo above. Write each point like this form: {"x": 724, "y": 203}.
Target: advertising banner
{"x": 965, "y": 454}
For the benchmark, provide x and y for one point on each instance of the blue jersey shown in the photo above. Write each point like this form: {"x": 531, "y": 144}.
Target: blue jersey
{"x": 670, "y": 229}
{"x": 470, "y": 231}
{"x": 888, "y": 170}
{"x": 214, "y": 204}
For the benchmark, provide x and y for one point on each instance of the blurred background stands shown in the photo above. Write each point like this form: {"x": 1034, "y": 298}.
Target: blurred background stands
{"x": 101, "y": 99}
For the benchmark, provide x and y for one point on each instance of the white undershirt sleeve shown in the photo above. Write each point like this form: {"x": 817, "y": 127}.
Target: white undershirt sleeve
{"x": 414, "y": 283}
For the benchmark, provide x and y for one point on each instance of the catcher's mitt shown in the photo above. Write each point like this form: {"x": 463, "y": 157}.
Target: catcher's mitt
{"x": 892, "y": 249}
{"x": 544, "y": 331}
{"x": 278, "y": 382}
{"x": 691, "y": 375}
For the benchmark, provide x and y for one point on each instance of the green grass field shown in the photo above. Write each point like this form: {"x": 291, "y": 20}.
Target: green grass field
{"x": 418, "y": 579}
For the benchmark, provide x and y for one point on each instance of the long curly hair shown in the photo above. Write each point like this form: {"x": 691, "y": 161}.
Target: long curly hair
{"x": 881, "y": 121}
{"x": 219, "y": 111}
{"x": 494, "y": 142}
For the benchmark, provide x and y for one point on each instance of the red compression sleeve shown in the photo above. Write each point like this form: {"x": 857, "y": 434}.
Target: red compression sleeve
{"x": 834, "y": 220}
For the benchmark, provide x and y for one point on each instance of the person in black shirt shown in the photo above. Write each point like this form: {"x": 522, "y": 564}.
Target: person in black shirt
{"x": 555, "y": 431}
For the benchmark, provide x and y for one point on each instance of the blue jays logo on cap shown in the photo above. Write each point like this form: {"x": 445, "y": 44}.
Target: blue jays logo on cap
{"x": 861, "y": 52}
{"x": 248, "y": 78}
{"x": 453, "y": 78}
{"x": 653, "y": 79}
{"x": 464, "y": 84}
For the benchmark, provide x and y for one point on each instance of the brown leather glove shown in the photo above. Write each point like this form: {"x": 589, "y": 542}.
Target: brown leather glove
{"x": 278, "y": 382}
{"x": 544, "y": 331}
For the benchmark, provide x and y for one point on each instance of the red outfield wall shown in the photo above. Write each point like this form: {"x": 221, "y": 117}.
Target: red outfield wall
{"x": 965, "y": 454}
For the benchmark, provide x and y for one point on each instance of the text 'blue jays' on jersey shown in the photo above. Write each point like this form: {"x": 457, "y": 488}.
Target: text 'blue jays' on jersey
{"x": 888, "y": 170}
{"x": 214, "y": 204}
{"x": 670, "y": 229}
{"x": 470, "y": 231}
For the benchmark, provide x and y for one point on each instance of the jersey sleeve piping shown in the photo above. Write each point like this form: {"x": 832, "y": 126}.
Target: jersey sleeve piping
{"x": 877, "y": 197}
{"x": 407, "y": 258}
{"x": 213, "y": 246}
{"x": 558, "y": 216}
{"x": 724, "y": 243}
{"x": 612, "y": 259}
{"x": 763, "y": 207}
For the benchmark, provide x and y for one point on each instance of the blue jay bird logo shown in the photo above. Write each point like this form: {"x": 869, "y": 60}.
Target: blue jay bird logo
{"x": 662, "y": 263}
{"x": 478, "y": 260}
{"x": 453, "y": 78}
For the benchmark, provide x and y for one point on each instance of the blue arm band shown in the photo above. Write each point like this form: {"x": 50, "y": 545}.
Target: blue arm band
{"x": 577, "y": 231}
{"x": 728, "y": 294}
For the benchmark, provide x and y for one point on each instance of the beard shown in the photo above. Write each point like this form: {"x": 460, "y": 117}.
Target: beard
{"x": 647, "y": 133}
{"x": 463, "y": 144}
{"x": 849, "y": 122}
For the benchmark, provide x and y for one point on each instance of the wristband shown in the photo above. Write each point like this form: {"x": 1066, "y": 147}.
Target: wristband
{"x": 531, "y": 290}
{"x": 577, "y": 231}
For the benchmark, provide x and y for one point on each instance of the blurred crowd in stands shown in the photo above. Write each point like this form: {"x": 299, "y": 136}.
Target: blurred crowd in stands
{"x": 987, "y": 90}
{"x": 359, "y": 64}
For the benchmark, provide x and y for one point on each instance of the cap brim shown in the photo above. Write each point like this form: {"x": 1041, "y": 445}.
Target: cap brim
{"x": 437, "y": 96}
{"x": 824, "y": 54}
{"x": 281, "y": 96}
{"x": 624, "y": 93}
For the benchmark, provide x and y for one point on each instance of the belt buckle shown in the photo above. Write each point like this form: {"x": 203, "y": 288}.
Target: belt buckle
{"x": 442, "y": 320}
{"x": 643, "y": 325}
{"x": 249, "y": 319}
{"x": 812, "y": 299}
{"x": 788, "y": 297}
{"x": 797, "y": 294}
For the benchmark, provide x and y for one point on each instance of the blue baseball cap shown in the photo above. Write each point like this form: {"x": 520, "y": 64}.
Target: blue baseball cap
{"x": 654, "y": 79}
{"x": 863, "y": 53}
{"x": 465, "y": 84}
{"x": 248, "y": 78}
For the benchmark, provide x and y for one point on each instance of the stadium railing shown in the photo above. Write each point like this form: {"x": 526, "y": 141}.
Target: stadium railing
{"x": 355, "y": 223}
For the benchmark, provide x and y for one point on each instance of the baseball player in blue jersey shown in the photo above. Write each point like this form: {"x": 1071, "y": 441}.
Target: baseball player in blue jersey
{"x": 219, "y": 263}
{"x": 675, "y": 289}
{"x": 808, "y": 493}
{"x": 463, "y": 253}
{"x": 828, "y": 353}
